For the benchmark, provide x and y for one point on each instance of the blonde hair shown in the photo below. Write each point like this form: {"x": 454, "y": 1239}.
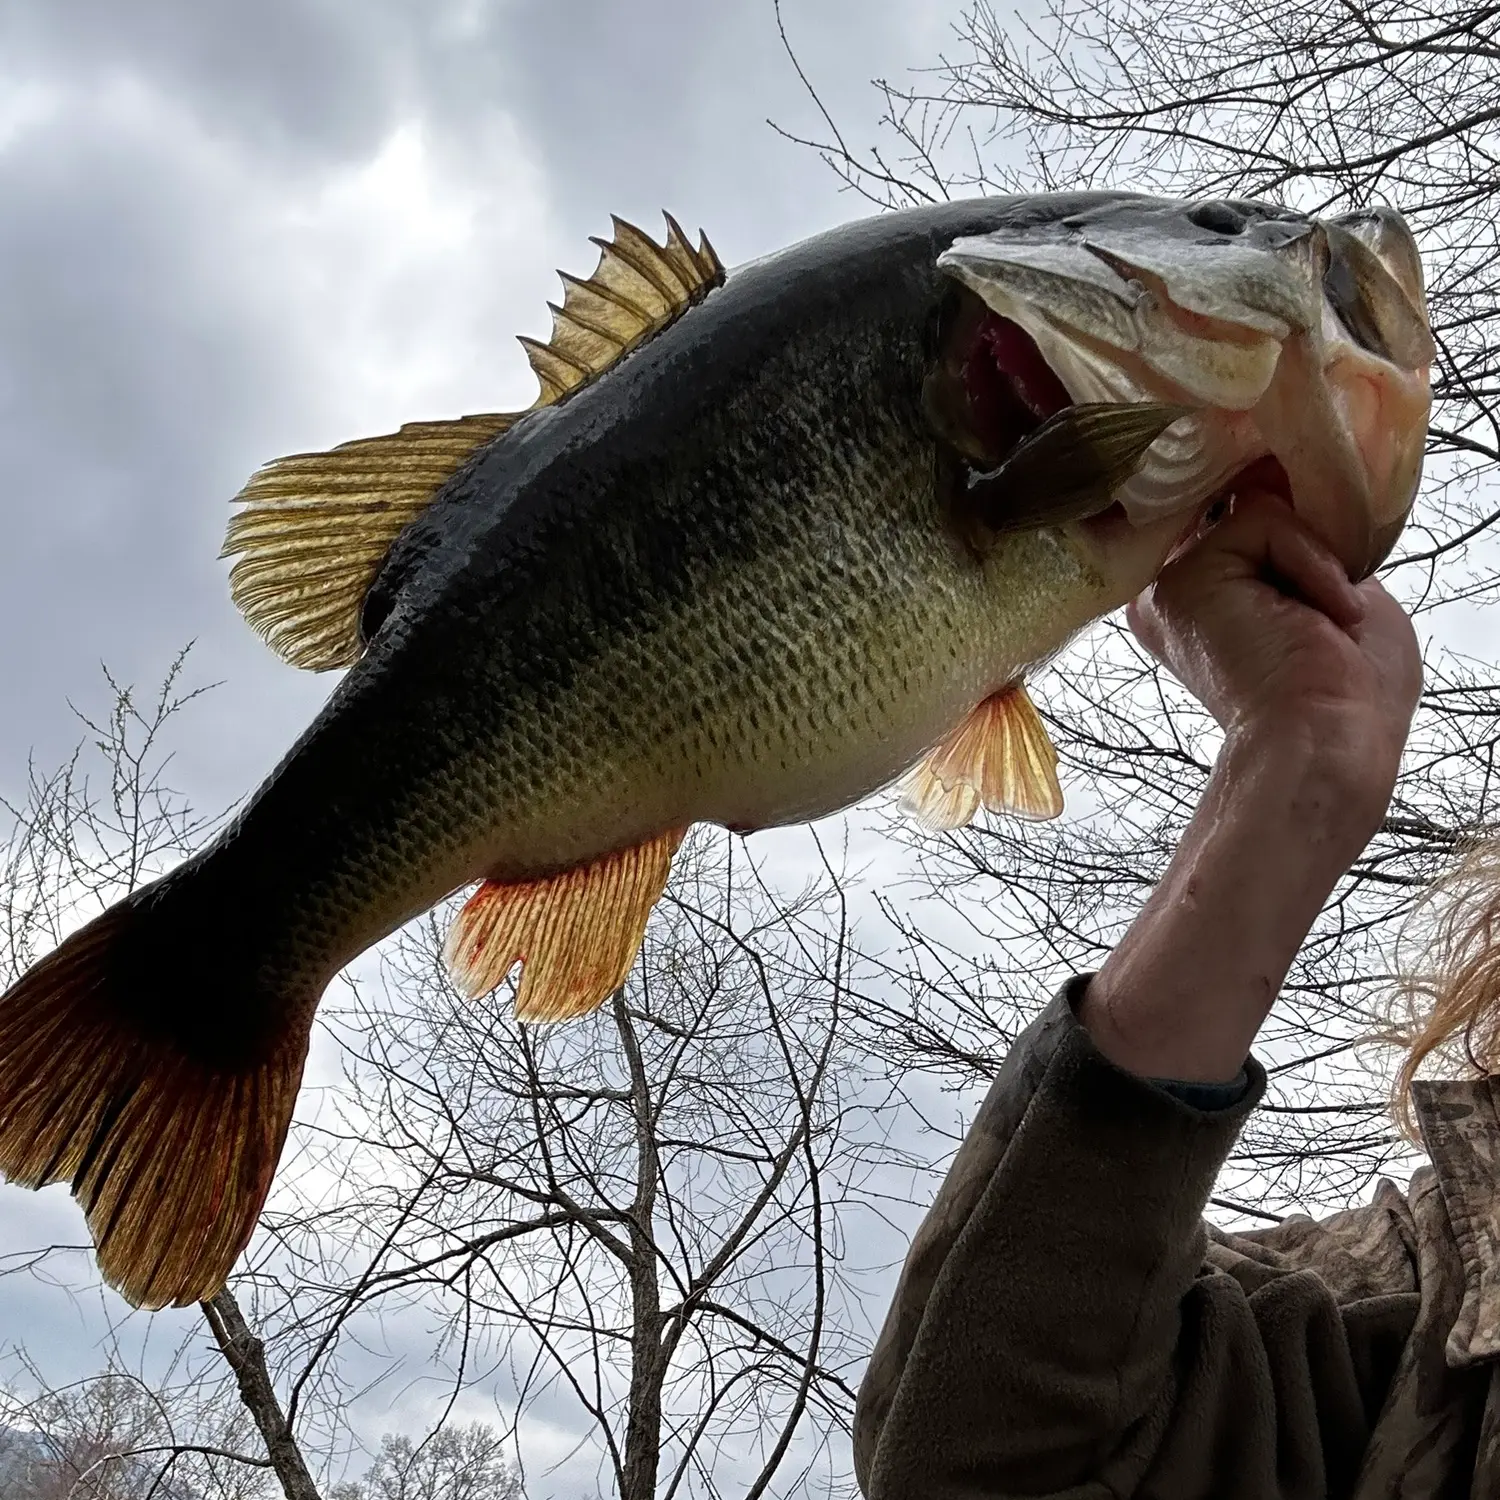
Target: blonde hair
{"x": 1445, "y": 1009}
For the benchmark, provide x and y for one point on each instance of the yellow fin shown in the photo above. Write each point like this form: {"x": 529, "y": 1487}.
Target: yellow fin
{"x": 170, "y": 1156}
{"x": 575, "y": 934}
{"x": 1000, "y": 756}
{"x": 316, "y": 527}
{"x": 637, "y": 288}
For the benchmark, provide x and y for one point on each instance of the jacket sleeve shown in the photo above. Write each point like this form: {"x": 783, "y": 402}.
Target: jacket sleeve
{"x": 1038, "y": 1315}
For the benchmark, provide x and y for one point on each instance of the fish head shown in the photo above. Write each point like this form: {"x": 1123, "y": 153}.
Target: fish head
{"x": 1300, "y": 343}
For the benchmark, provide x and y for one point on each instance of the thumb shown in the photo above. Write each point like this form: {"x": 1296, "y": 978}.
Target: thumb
{"x": 1145, "y": 622}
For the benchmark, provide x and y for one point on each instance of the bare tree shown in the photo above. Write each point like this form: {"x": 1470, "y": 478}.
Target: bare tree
{"x": 92, "y": 829}
{"x": 1327, "y": 109}
{"x": 637, "y": 1227}
{"x": 641, "y": 1217}
{"x": 181, "y": 1435}
{"x": 120, "y": 1436}
{"x": 455, "y": 1463}
{"x": 1324, "y": 108}
{"x": 85, "y": 834}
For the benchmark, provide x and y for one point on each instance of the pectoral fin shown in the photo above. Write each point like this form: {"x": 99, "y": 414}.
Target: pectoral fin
{"x": 575, "y": 934}
{"x": 1071, "y": 466}
{"x": 999, "y": 756}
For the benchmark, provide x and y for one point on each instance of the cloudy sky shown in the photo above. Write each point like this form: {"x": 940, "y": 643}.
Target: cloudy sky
{"x": 232, "y": 231}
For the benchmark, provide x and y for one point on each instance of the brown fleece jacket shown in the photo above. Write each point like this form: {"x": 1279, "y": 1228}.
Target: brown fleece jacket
{"x": 1066, "y": 1325}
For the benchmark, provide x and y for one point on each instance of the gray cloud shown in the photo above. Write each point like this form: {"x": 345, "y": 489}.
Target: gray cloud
{"x": 193, "y": 283}
{"x": 294, "y": 79}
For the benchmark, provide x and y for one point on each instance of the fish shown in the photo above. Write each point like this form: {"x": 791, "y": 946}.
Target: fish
{"x": 769, "y": 541}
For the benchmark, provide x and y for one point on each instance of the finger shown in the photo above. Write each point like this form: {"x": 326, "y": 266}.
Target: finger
{"x": 1388, "y": 638}
{"x": 1199, "y": 549}
{"x": 1299, "y": 559}
{"x": 1145, "y": 623}
{"x": 1264, "y": 530}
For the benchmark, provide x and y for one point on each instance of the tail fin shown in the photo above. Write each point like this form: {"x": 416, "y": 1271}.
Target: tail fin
{"x": 166, "y": 1110}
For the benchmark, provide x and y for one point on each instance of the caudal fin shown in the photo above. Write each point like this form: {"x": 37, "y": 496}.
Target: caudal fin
{"x": 164, "y": 1110}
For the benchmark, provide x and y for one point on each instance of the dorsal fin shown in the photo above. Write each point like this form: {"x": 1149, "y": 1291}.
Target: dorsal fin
{"x": 315, "y": 527}
{"x": 637, "y": 288}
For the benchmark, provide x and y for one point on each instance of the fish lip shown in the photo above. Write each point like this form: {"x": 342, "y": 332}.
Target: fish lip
{"x": 1111, "y": 293}
{"x": 1267, "y": 475}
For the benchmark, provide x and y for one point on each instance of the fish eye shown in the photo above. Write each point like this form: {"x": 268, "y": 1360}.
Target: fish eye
{"x": 1218, "y": 217}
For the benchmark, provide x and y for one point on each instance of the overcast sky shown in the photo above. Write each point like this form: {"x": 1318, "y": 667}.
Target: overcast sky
{"x": 232, "y": 231}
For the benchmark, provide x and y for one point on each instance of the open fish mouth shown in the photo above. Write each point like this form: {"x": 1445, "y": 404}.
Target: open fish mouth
{"x": 1300, "y": 345}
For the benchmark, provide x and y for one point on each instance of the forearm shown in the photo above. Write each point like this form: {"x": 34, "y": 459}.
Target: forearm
{"x": 1185, "y": 991}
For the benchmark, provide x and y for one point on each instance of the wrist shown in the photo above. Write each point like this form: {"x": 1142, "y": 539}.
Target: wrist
{"x": 1307, "y": 785}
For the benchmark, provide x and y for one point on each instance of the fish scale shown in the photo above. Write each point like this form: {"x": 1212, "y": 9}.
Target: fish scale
{"x": 768, "y": 541}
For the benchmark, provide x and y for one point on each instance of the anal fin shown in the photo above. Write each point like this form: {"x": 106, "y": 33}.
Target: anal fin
{"x": 575, "y": 934}
{"x": 999, "y": 756}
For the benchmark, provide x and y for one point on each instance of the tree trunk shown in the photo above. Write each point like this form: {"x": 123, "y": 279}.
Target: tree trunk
{"x": 246, "y": 1356}
{"x": 647, "y": 1365}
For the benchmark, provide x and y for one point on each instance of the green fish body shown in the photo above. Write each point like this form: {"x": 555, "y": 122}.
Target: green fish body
{"x": 726, "y": 582}
{"x": 809, "y": 527}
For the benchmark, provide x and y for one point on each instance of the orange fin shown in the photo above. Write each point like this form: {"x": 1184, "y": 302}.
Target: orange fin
{"x": 1000, "y": 756}
{"x": 575, "y": 934}
{"x": 169, "y": 1153}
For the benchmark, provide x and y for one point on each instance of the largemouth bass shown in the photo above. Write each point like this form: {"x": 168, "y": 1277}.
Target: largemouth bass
{"x": 768, "y": 541}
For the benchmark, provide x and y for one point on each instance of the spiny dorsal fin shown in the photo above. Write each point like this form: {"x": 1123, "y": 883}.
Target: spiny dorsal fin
{"x": 316, "y": 527}
{"x": 1000, "y": 756}
{"x": 637, "y": 288}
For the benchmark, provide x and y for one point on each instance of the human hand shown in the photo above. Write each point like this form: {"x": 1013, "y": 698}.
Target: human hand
{"x": 1314, "y": 680}
{"x": 1260, "y": 623}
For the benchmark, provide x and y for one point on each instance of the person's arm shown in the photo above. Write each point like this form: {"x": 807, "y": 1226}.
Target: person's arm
{"x": 1314, "y": 682}
{"x": 1262, "y": 854}
{"x": 1037, "y": 1343}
